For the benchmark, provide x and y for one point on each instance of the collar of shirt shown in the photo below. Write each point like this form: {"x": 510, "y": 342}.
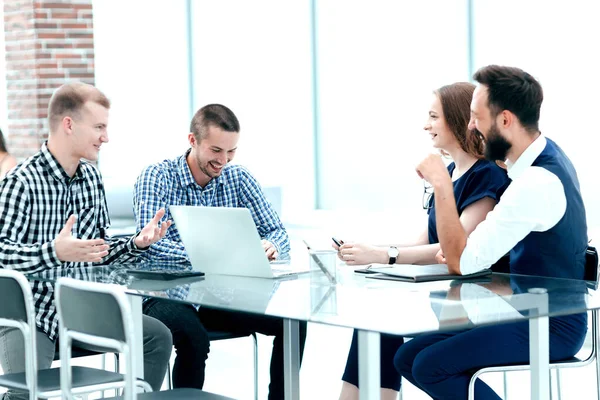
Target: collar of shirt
{"x": 185, "y": 174}
{"x": 56, "y": 170}
{"x": 516, "y": 169}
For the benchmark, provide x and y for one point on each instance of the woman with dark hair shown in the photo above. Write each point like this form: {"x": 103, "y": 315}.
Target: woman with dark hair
{"x": 478, "y": 185}
{"x": 6, "y": 160}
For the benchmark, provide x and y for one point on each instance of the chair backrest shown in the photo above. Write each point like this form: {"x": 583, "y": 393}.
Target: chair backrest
{"x": 17, "y": 311}
{"x": 98, "y": 315}
{"x": 90, "y": 312}
{"x": 16, "y": 295}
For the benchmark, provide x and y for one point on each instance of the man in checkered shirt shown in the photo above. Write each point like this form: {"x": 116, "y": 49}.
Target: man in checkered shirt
{"x": 54, "y": 215}
{"x": 203, "y": 177}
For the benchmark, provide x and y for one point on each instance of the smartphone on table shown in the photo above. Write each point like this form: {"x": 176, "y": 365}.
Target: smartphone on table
{"x": 338, "y": 242}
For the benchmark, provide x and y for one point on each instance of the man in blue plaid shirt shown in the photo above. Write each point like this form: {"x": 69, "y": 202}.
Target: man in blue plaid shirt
{"x": 203, "y": 177}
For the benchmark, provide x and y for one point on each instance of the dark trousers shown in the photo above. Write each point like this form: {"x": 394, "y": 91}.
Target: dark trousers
{"x": 389, "y": 344}
{"x": 442, "y": 364}
{"x": 190, "y": 338}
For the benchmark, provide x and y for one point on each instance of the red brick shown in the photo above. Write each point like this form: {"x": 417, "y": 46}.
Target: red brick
{"x": 51, "y": 35}
{"x": 59, "y": 45}
{"x": 75, "y": 65}
{"x": 80, "y": 35}
{"x": 42, "y": 55}
{"x": 64, "y": 15}
{"x": 67, "y": 55}
{"x": 72, "y": 25}
{"x": 46, "y": 25}
{"x": 51, "y": 75}
{"x": 82, "y": 6}
{"x": 80, "y": 74}
{"x": 54, "y": 5}
{"x": 83, "y": 45}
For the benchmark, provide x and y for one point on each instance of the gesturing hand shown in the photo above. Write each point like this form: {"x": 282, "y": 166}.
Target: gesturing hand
{"x": 432, "y": 169}
{"x": 69, "y": 248}
{"x": 152, "y": 232}
{"x": 270, "y": 249}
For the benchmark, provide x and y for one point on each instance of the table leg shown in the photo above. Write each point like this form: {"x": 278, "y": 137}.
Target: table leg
{"x": 539, "y": 349}
{"x": 291, "y": 359}
{"x": 369, "y": 365}
{"x": 136, "y": 312}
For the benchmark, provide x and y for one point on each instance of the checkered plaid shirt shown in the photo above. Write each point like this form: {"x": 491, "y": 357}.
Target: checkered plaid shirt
{"x": 171, "y": 183}
{"x": 36, "y": 199}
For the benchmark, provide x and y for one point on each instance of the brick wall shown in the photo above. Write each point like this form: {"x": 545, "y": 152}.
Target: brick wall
{"x": 47, "y": 43}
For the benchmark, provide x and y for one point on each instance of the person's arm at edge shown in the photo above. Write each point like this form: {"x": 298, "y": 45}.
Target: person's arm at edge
{"x": 148, "y": 198}
{"x": 534, "y": 202}
{"x": 471, "y": 216}
{"x": 14, "y": 212}
{"x": 121, "y": 249}
{"x": 451, "y": 233}
{"x": 268, "y": 223}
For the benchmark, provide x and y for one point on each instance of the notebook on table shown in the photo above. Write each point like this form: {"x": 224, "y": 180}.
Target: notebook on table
{"x": 421, "y": 273}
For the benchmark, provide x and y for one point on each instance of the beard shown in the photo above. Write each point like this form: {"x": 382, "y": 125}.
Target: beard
{"x": 496, "y": 147}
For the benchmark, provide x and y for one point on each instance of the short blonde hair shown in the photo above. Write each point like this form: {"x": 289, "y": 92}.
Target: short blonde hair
{"x": 69, "y": 98}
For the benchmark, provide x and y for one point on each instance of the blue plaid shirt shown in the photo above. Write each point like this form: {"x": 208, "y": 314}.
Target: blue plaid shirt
{"x": 171, "y": 183}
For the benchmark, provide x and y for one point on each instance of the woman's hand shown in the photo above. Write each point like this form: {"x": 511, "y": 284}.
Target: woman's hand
{"x": 361, "y": 254}
{"x": 439, "y": 257}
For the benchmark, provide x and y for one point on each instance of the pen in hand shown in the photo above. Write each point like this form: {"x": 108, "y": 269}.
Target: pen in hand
{"x": 320, "y": 264}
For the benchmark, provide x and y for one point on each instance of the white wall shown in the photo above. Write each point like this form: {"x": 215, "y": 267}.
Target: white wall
{"x": 3, "y": 100}
{"x": 141, "y": 65}
{"x": 558, "y": 44}
{"x": 255, "y": 57}
{"x": 380, "y": 62}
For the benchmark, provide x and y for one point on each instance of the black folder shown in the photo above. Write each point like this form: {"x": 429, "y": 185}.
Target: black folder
{"x": 421, "y": 273}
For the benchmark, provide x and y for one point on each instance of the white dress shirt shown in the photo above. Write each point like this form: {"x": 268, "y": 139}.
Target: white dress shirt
{"x": 535, "y": 201}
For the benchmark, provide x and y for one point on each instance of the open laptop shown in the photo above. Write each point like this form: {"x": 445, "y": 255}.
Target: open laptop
{"x": 224, "y": 240}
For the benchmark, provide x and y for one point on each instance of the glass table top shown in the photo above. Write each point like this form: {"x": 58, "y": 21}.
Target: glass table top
{"x": 356, "y": 301}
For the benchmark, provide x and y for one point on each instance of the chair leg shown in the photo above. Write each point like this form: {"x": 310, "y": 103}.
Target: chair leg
{"x": 505, "y": 385}
{"x": 255, "y": 366}
{"x": 597, "y": 363}
{"x": 551, "y": 391}
{"x": 117, "y": 369}
{"x": 169, "y": 378}
{"x": 104, "y": 368}
{"x": 558, "y": 390}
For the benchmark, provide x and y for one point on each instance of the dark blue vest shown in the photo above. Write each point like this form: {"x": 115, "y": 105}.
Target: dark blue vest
{"x": 560, "y": 251}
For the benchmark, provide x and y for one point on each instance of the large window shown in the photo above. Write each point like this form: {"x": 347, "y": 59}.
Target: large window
{"x": 558, "y": 44}
{"x": 376, "y": 64}
{"x": 379, "y": 62}
{"x": 141, "y": 65}
{"x": 255, "y": 57}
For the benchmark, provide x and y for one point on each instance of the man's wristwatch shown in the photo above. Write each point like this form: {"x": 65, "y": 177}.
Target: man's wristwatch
{"x": 393, "y": 254}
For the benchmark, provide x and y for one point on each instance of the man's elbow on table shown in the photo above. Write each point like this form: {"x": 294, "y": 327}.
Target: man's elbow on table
{"x": 453, "y": 257}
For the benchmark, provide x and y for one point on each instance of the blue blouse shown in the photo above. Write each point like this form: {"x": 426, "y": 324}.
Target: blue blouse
{"x": 483, "y": 179}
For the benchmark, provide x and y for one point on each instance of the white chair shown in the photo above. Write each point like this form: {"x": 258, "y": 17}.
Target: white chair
{"x": 591, "y": 274}
{"x": 223, "y": 335}
{"x": 17, "y": 311}
{"x": 99, "y": 315}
